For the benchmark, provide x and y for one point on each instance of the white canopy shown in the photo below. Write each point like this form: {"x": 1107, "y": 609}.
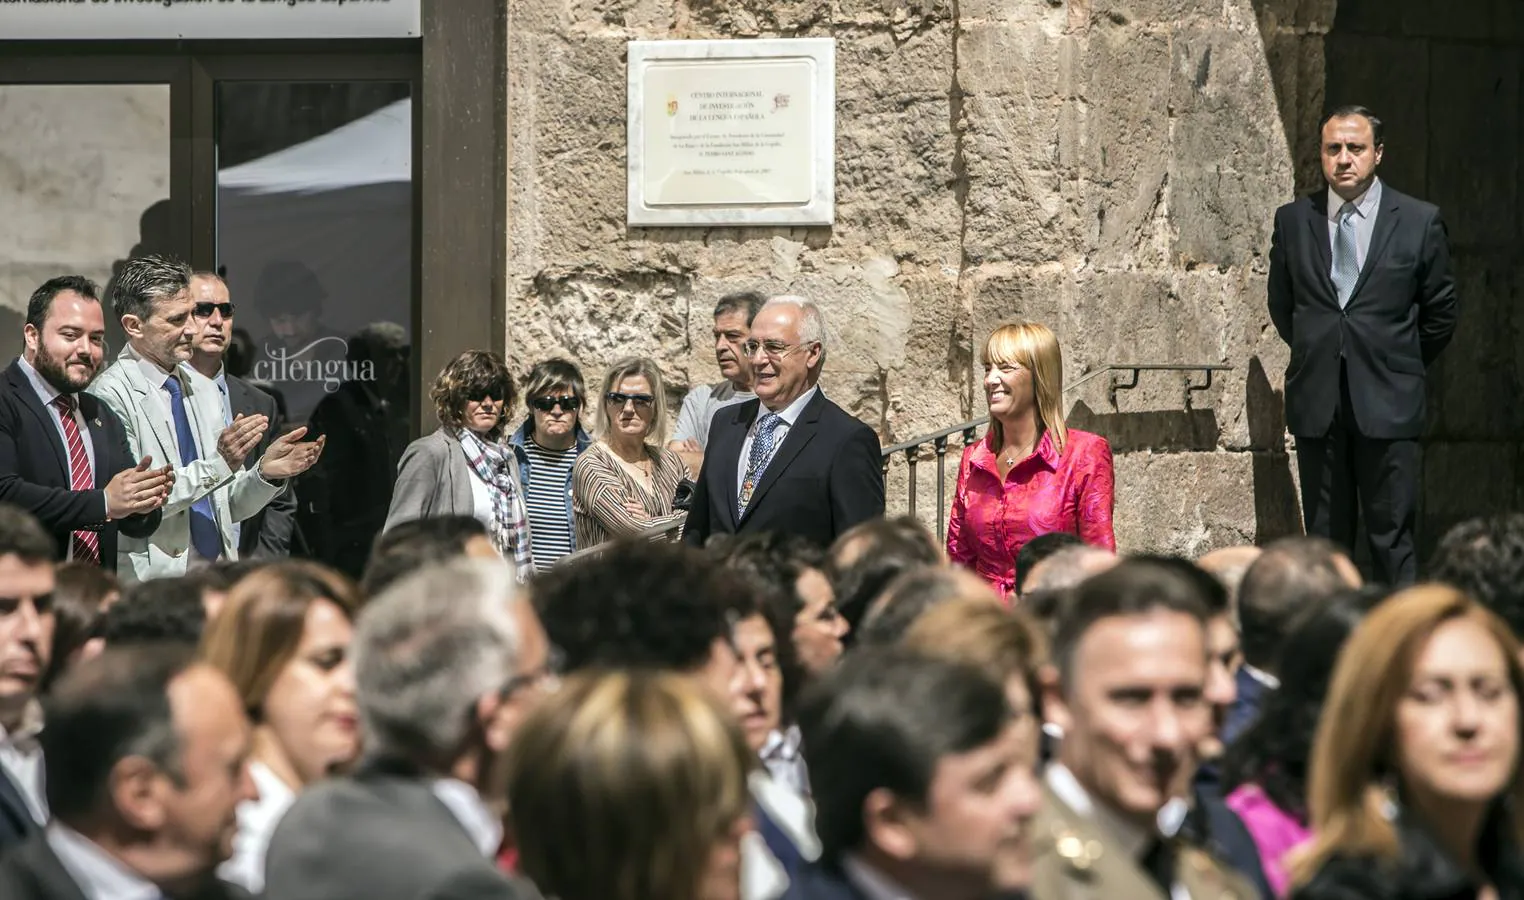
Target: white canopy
{"x": 376, "y": 149}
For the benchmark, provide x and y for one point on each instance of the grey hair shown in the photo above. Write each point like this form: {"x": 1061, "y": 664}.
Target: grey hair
{"x": 1068, "y": 567}
{"x": 145, "y": 280}
{"x": 426, "y": 649}
{"x": 812, "y": 329}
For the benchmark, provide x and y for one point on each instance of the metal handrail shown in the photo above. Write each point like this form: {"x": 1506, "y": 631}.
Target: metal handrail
{"x": 938, "y": 439}
{"x": 643, "y": 534}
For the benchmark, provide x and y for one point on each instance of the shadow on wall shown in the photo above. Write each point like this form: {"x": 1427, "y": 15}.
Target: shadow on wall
{"x": 155, "y": 235}
{"x": 1162, "y": 431}
{"x": 1277, "y": 507}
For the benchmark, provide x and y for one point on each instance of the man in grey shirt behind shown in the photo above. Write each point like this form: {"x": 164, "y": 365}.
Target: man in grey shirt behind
{"x": 732, "y": 326}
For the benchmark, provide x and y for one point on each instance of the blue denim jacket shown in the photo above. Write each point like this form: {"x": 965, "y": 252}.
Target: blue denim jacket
{"x": 517, "y": 442}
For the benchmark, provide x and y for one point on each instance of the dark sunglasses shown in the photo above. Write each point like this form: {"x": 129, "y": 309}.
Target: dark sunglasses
{"x": 495, "y": 391}
{"x": 641, "y": 400}
{"x": 205, "y": 310}
{"x": 569, "y": 402}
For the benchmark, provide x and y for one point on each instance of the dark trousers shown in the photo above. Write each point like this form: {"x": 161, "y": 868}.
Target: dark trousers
{"x": 1345, "y": 470}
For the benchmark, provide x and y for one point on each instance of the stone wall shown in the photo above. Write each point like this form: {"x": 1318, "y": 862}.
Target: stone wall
{"x": 1105, "y": 167}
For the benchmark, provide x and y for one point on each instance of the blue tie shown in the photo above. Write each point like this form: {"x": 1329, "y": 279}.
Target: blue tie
{"x": 761, "y": 454}
{"x": 1346, "y": 266}
{"x": 203, "y": 521}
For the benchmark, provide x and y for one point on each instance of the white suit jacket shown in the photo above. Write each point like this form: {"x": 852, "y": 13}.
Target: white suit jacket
{"x": 151, "y": 432}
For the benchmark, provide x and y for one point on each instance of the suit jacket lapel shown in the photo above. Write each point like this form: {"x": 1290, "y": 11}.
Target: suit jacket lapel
{"x": 799, "y": 434}
{"x": 162, "y": 425}
{"x": 1317, "y": 220}
{"x": 89, "y": 408}
{"x": 735, "y": 441}
{"x": 28, "y": 394}
{"x": 1386, "y": 223}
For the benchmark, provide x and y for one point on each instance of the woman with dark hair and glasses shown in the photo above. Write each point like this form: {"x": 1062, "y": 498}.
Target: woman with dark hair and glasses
{"x": 627, "y": 480}
{"x": 465, "y": 468}
{"x": 547, "y": 447}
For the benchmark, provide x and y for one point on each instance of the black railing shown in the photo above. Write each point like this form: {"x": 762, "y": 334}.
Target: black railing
{"x": 938, "y": 439}
{"x": 1119, "y": 382}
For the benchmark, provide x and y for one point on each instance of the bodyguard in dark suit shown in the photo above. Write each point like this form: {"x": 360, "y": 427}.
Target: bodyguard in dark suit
{"x": 135, "y": 815}
{"x": 790, "y": 461}
{"x": 64, "y": 456}
{"x": 1360, "y": 287}
{"x": 266, "y": 534}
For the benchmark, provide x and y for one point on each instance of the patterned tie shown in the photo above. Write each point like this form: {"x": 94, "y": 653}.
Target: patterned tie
{"x": 761, "y": 455}
{"x": 86, "y": 545}
{"x": 1346, "y": 265}
{"x": 203, "y": 521}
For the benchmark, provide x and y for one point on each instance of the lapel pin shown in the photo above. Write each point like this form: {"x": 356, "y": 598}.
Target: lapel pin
{"x": 97, "y": 423}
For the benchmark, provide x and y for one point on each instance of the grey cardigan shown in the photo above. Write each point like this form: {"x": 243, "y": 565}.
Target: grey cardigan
{"x": 434, "y": 479}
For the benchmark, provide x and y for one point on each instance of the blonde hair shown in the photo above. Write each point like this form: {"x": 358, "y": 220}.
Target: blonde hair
{"x": 620, "y": 783}
{"x": 1034, "y": 348}
{"x": 1356, "y": 736}
{"x": 261, "y": 623}
{"x": 629, "y": 367}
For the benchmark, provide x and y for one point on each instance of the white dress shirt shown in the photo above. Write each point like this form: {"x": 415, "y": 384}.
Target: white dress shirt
{"x": 462, "y": 800}
{"x": 47, "y": 394}
{"x": 1261, "y": 676}
{"x": 1131, "y": 839}
{"x": 790, "y": 414}
{"x": 21, "y": 757}
{"x": 1366, "y": 206}
{"x": 98, "y": 874}
{"x": 227, "y": 419}
{"x": 256, "y": 823}
{"x": 780, "y": 754}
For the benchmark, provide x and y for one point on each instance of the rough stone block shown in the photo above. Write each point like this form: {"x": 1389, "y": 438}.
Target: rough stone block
{"x": 894, "y": 161}
{"x": 573, "y": 93}
{"x": 749, "y": 18}
{"x": 1186, "y": 503}
{"x": 1023, "y": 60}
{"x": 1014, "y": 209}
{"x": 1478, "y": 172}
{"x": 873, "y": 67}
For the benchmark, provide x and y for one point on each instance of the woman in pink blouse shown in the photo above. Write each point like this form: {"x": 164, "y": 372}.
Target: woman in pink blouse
{"x": 1029, "y": 475}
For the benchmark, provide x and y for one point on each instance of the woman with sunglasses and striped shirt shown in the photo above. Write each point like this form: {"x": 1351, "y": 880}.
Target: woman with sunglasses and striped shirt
{"x": 627, "y": 480}
{"x": 547, "y": 446}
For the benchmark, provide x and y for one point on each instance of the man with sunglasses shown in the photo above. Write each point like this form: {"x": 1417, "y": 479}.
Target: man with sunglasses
{"x": 267, "y": 533}
{"x": 547, "y": 446}
{"x": 790, "y": 461}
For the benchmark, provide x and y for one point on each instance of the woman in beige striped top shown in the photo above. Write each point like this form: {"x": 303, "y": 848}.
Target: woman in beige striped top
{"x": 625, "y": 481}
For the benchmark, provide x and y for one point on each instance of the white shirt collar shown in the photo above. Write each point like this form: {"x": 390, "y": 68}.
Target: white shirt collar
{"x": 1062, "y": 782}
{"x": 31, "y": 725}
{"x": 1263, "y": 677}
{"x": 45, "y": 391}
{"x": 468, "y": 807}
{"x": 99, "y": 875}
{"x": 1365, "y": 204}
{"x": 873, "y": 884}
{"x": 790, "y": 414}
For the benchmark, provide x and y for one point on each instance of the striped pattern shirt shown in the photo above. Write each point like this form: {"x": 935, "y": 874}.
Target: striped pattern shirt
{"x": 601, "y": 485}
{"x": 550, "y": 525}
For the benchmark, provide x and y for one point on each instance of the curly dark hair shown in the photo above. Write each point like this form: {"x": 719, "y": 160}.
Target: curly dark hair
{"x": 640, "y": 605}
{"x": 1485, "y": 558}
{"x": 1273, "y": 753}
{"x": 470, "y": 376}
{"x": 771, "y": 564}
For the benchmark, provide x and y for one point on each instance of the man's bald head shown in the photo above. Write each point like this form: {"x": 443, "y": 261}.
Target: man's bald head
{"x": 1068, "y": 567}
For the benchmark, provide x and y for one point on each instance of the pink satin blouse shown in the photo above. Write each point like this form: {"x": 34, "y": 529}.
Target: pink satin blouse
{"x": 1043, "y": 493}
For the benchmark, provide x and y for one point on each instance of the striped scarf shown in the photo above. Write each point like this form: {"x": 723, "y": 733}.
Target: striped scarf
{"x": 510, "y": 522}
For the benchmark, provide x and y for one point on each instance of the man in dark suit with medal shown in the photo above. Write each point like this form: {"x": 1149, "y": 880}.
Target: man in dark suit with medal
{"x": 64, "y": 456}
{"x": 1360, "y": 287}
{"x": 790, "y": 461}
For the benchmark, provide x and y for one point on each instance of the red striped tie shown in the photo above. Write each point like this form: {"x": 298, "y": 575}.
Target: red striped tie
{"x": 87, "y": 544}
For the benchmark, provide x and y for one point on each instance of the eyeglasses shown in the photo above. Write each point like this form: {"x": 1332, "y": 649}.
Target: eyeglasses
{"x": 547, "y": 677}
{"x": 568, "y": 402}
{"x": 205, "y": 310}
{"x": 773, "y": 349}
{"x": 489, "y": 392}
{"x": 642, "y": 401}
